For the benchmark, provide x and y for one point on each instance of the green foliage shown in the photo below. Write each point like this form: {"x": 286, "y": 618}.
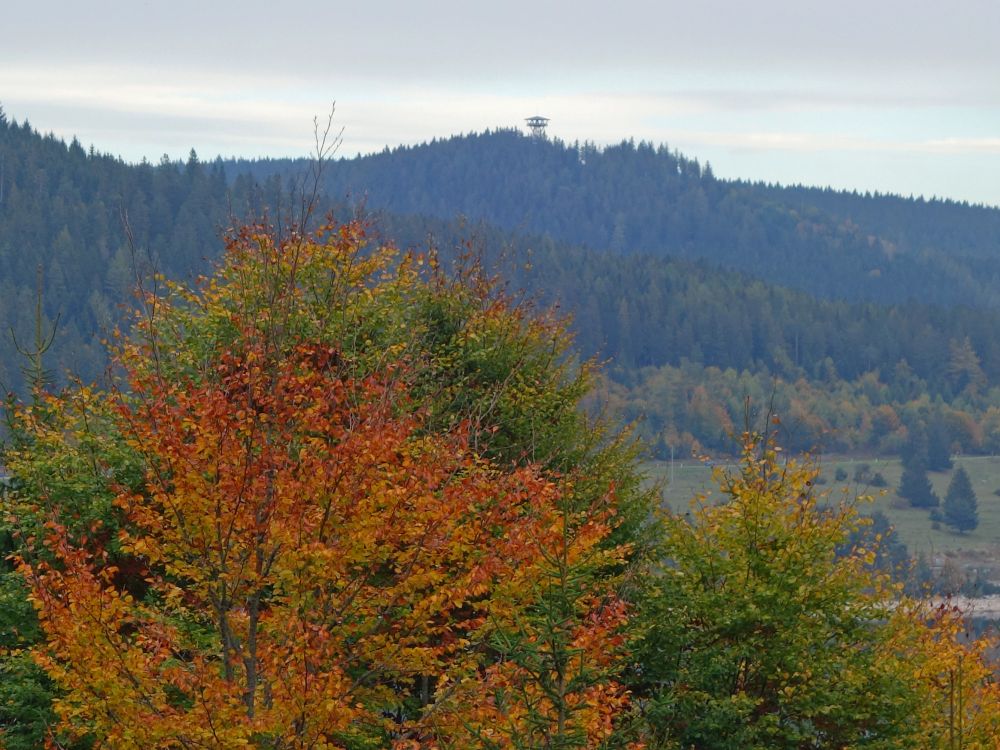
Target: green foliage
{"x": 758, "y": 634}
{"x": 18, "y": 625}
{"x": 938, "y": 446}
{"x": 960, "y": 509}
{"x": 26, "y": 694}
{"x": 916, "y": 487}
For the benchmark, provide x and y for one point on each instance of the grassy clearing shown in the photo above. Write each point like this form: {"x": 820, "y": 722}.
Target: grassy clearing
{"x": 691, "y": 479}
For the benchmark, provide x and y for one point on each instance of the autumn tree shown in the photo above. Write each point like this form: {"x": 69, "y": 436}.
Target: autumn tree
{"x": 951, "y": 674}
{"x": 368, "y": 513}
{"x": 760, "y": 634}
{"x": 766, "y": 627}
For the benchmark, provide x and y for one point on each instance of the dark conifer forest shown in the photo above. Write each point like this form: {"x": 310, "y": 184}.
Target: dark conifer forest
{"x": 859, "y": 317}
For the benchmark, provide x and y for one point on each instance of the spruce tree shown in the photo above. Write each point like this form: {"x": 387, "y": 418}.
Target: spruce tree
{"x": 961, "y": 507}
{"x": 915, "y": 449}
{"x": 916, "y": 487}
{"x": 938, "y": 446}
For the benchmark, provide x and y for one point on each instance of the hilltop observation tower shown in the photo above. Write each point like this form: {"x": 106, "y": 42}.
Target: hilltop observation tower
{"x": 536, "y": 125}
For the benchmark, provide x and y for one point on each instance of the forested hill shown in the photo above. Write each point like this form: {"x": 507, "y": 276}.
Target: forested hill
{"x": 63, "y": 210}
{"x": 911, "y": 224}
{"x": 643, "y": 311}
{"x": 640, "y": 198}
{"x": 685, "y": 341}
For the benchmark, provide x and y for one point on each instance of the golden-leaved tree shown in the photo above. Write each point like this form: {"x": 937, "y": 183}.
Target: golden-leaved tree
{"x": 350, "y": 503}
{"x": 766, "y": 629}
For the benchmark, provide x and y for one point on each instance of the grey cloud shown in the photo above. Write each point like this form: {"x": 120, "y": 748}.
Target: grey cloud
{"x": 406, "y": 42}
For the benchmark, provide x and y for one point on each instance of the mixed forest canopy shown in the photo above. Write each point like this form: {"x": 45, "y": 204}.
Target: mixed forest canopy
{"x": 865, "y": 317}
{"x": 341, "y": 498}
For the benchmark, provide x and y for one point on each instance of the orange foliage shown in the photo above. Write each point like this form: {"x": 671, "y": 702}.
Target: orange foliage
{"x": 952, "y": 672}
{"x": 320, "y": 569}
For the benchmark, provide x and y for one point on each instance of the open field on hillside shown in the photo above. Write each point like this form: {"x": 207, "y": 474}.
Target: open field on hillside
{"x": 913, "y": 525}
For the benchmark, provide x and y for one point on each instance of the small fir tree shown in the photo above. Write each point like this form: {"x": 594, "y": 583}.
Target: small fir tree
{"x": 938, "y": 446}
{"x": 961, "y": 507}
{"x": 916, "y": 487}
{"x": 915, "y": 449}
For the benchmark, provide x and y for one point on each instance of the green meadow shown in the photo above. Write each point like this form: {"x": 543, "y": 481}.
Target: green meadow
{"x": 693, "y": 479}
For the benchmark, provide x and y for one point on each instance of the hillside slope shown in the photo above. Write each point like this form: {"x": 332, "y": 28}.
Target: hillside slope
{"x": 685, "y": 339}
{"x": 637, "y": 198}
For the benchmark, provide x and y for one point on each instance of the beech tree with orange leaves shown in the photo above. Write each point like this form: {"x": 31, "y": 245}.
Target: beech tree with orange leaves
{"x": 367, "y": 514}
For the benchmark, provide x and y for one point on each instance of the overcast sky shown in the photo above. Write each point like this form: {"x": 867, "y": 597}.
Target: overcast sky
{"x": 870, "y": 94}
